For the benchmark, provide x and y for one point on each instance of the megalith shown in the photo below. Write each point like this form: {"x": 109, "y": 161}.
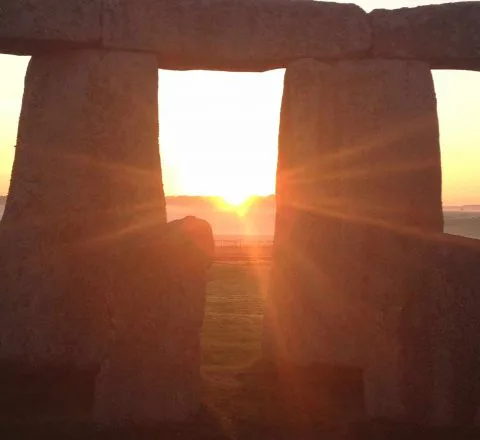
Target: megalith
{"x": 152, "y": 373}
{"x": 456, "y": 325}
{"x": 445, "y": 36}
{"x": 358, "y": 196}
{"x": 236, "y": 35}
{"x": 86, "y": 174}
{"x": 30, "y": 27}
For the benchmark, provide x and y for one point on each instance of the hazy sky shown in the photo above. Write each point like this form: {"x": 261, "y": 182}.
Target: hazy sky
{"x": 218, "y": 131}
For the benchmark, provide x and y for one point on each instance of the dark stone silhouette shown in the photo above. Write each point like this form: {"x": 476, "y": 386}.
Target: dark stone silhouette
{"x": 237, "y": 35}
{"x": 152, "y": 373}
{"x": 454, "y": 333}
{"x": 86, "y": 173}
{"x": 444, "y": 36}
{"x": 30, "y": 27}
{"x": 358, "y": 189}
{"x": 195, "y": 240}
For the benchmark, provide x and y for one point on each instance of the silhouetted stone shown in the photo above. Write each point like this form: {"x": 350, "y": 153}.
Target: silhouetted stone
{"x": 195, "y": 241}
{"x": 31, "y": 26}
{"x": 39, "y": 392}
{"x": 236, "y": 34}
{"x": 456, "y": 326}
{"x": 392, "y": 204}
{"x": 287, "y": 395}
{"x": 152, "y": 373}
{"x": 444, "y": 36}
{"x": 358, "y": 189}
{"x": 80, "y": 181}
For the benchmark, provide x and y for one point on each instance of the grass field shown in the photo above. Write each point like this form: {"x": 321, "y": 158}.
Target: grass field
{"x": 233, "y": 314}
{"x": 232, "y": 331}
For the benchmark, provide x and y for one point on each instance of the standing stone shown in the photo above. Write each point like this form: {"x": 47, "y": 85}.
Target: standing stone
{"x": 307, "y": 193}
{"x": 456, "y": 326}
{"x": 152, "y": 373}
{"x": 358, "y": 191}
{"x": 304, "y": 312}
{"x": 392, "y": 200}
{"x": 86, "y": 173}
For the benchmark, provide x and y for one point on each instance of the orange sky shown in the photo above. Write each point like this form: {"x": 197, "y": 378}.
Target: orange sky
{"x": 218, "y": 131}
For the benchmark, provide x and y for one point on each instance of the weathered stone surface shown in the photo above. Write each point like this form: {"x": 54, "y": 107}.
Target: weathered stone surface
{"x": 455, "y": 330}
{"x": 236, "y": 34}
{"x": 38, "y": 393}
{"x": 392, "y": 203}
{"x": 358, "y": 191}
{"x": 86, "y": 172}
{"x": 298, "y": 398}
{"x": 445, "y": 36}
{"x": 153, "y": 369}
{"x": 30, "y": 26}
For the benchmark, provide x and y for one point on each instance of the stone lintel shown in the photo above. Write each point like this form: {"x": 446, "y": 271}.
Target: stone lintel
{"x": 445, "y": 36}
{"x": 216, "y": 34}
{"x": 237, "y": 35}
{"x": 28, "y": 27}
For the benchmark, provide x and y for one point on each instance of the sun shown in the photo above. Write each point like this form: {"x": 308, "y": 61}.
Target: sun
{"x": 235, "y": 199}
{"x": 237, "y": 202}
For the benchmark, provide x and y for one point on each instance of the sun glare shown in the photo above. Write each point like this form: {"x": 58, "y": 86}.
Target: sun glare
{"x": 235, "y": 199}
{"x": 237, "y": 202}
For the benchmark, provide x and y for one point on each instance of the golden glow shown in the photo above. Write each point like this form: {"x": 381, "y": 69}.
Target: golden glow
{"x": 237, "y": 202}
{"x": 236, "y": 199}
{"x": 219, "y": 131}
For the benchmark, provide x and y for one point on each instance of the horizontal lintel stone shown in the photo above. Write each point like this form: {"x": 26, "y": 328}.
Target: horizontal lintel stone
{"x": 242, "y": 35}
{"x": 446, "y": 36}
{"x": 28, "y": 27}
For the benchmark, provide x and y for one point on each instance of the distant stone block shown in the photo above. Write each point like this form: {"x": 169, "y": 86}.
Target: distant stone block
{"x": 152, "y": 372}
{"x": 32, "y": 26}
{"x": 445, "y": 36}
{"x": 236, "y": 34}
{"x": 195, "y": 243}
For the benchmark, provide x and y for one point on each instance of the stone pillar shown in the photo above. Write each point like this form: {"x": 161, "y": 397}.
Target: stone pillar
{"x": 86, "y": 174}
{"x": 152, "y": 373}
{"x": 455, "y": 330}
{"x": 392, "y": 205}
{"x": 358, "y": 194}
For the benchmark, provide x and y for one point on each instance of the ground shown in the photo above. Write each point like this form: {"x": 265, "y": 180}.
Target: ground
{"x": 231, "y": 333}
{"x": 233, "y": 315}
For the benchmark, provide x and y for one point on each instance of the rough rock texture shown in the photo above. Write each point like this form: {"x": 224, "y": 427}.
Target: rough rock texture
{"x": 236, "y": 34}
{"x": 86, "y": 173}
{"x": 153, "y": 369}
{"x": 358, "y": 191}
{"x": 31, "y": 26}
{"x": 392, "y": 203}
{"x": 456, "y": 305}
{"x": 445, "y": 36}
